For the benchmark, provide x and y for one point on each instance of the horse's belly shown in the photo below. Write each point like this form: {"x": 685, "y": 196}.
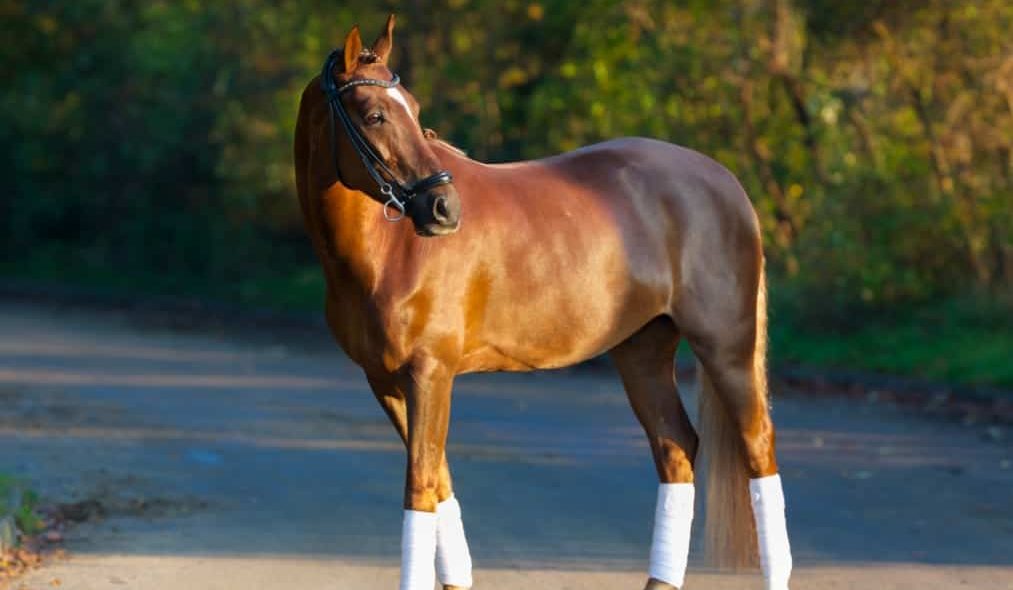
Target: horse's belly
{"x": 552, "y": 343}
{"x": 492, "y": 358}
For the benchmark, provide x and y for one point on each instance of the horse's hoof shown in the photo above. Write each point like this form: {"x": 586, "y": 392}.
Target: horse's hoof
{"x": 454, "y": 588}
{"x": 653, "y": 584}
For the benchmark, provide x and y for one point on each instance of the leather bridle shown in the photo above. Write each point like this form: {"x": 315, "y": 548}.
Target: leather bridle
{"x": 398, "y": 195}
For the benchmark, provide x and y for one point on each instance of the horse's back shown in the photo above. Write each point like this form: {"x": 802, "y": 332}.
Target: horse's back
{"x": 666, "y": 170}
{"x": 687, "y": 225}
{"x": 669, "y": 192}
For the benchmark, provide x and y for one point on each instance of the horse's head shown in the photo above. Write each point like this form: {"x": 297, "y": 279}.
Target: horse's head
{"x": 380, "y": 146}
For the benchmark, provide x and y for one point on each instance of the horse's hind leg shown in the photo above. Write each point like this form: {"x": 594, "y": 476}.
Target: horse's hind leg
{"x": 646, "y": 364}
{"x": 743, "y": 486}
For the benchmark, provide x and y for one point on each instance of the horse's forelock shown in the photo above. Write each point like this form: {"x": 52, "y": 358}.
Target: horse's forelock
{"x": 367, "y": 56}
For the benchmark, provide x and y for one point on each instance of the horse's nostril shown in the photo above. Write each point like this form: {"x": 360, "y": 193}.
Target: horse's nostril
{"x": 440, "y": 210}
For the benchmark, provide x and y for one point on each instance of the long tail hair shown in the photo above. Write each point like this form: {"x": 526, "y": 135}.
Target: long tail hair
{"x": 730, "y": 535}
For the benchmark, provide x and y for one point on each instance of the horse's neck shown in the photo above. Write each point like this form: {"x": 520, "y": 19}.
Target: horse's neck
{"x": 357, "y": 244}
{"x": 451, "y": 156}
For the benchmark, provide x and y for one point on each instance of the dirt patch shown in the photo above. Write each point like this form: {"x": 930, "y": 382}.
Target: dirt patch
{"x": 115, "y": 497}
{"x": 156, "y": 507}
{"x": 76, "y": 512}
{"x": 46, "y": 546}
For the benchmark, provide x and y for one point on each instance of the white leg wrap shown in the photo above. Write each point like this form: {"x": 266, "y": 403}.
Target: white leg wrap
{"x": 772, "y": 530}
{"x": 673, "y": 518}
{"x": 453, "y": 560}
{"x": 418, "y": 550}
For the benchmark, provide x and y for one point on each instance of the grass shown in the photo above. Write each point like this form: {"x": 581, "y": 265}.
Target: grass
{"x": 959, "y": 341}
{"x": 21, "y": 503}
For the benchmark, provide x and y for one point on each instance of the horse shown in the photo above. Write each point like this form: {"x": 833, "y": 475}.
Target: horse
{"x": 437, "y": 265}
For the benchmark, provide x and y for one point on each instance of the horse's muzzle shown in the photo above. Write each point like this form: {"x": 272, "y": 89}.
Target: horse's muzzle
{"x": 438, "y": 213}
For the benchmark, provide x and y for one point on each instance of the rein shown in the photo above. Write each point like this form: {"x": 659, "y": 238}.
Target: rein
{"x": 398, "y": 195}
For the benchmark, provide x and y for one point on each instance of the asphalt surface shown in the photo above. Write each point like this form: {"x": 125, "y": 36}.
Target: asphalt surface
{"x": 260, "y": 460}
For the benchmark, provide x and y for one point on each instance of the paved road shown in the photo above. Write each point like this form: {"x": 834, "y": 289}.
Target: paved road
{"x": 260, "y": 461}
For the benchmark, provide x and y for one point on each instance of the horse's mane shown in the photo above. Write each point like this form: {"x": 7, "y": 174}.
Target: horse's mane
{"x": 452, "y": 147}
{"x": 432, "y": 135}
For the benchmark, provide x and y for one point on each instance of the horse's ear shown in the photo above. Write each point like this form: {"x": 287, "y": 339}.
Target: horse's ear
{"x": 353, "y": 47}
{"x": 384, "y": 43}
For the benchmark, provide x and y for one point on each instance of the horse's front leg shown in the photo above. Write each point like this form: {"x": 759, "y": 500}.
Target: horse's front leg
{"x": 427, "y": 401}
{"x": 453, "y": 559}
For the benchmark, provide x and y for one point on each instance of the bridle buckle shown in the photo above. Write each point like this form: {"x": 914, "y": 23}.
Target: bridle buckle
{"x": 392, "y": 202}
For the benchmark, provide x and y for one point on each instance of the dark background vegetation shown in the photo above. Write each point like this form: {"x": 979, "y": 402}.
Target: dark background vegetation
{"x": 145, "y": 146}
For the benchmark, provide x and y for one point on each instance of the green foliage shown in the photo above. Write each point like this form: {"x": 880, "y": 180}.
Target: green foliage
{"x": 959, "y": 341}
{"x": 27, "y": 519}
{"x": 20, "y": 503}
{"x": 6, "y": 487}
{"x": 150, "y": 141}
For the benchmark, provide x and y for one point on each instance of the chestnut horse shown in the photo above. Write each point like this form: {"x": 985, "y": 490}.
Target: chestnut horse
{"x": 625, "y": 247}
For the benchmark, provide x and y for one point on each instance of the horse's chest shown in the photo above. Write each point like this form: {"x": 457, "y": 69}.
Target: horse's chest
{"x": 373, "y": 334}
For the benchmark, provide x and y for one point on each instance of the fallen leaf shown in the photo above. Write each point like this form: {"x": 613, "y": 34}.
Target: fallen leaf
{"x": 53, "y": 537}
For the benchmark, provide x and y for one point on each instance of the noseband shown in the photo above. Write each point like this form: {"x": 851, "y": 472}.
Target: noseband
{"x": 397, "y": 194}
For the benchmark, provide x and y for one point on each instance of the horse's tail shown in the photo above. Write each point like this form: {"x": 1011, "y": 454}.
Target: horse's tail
{"x": 730, "y": 535}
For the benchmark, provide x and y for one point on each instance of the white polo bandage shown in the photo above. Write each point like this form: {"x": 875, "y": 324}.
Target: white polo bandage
{"x": 418, "y": 550}
{"x": 673, "y": 519}
{"x": 453, "y": 560}
{"x": 767, "y": 497}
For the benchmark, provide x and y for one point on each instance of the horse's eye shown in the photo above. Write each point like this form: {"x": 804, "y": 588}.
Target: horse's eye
{"x": 374, "y": 118}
